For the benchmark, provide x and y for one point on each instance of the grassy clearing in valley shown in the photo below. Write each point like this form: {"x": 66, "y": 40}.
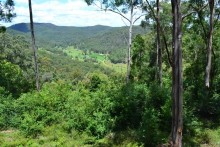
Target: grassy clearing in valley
{"x": 83, "y": 55}
{"x": 102, "y": 59}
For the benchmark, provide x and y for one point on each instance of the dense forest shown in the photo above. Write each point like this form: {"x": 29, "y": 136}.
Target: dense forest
{"x": 84, "y": 97}
{"x": 100, "y": 39}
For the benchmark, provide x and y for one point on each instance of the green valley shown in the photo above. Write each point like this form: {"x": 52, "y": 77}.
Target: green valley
{"x": 153, "y": 85}
{"x": 99, "y": 39}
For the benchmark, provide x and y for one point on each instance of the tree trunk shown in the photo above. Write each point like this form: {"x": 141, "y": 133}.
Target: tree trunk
{"x": 209, "y": 49}
{"x": 159, "y": 51}
{"x": 177, "y": 84}
{"x": 129, "y": 45}
{"x": 34, "y": 47}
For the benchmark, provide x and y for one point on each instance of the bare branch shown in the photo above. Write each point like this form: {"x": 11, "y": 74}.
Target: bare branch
{"x": 203, "y": 27}
{"x": 190, "y": 13}
{"x": 162, "y": 31}
{"x": 98, "y": 6}
{"x": 152, "y": 10}
{"x": 138, "y": 18}
{"x": 168, "y": 53}
{"x": 124, "y": 22}
{"x": 111, "y": 10}
{"x": 134, "y": 14}
{"x": 119, "y": 14}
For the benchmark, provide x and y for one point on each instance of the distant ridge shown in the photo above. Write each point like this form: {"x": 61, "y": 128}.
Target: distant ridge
{"x": 22, "y": 27}
{"x": 25, "y": 27}
{"x": 101, "y": 39}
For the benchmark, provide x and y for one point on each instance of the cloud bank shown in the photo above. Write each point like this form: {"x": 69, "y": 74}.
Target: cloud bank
{"x": 65, "y": 13}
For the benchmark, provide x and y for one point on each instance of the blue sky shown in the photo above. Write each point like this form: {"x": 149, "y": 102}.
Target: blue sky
{"x": 65, "y": 13}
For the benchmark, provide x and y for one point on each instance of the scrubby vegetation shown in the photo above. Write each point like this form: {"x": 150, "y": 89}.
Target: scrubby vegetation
{"x": 84, "y": 103}
{"x": 84, "y": 99}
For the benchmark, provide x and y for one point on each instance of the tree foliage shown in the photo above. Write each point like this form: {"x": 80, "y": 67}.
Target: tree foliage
{"x": 6, "y": 10}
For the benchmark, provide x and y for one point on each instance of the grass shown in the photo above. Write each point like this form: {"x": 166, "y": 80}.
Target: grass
{"x": 11, "y": 138}
{"x": 211, "y": 137}
{"x": 82, "y": 55}
{"x": 119, "y": 67}
{"x": 90, "y": 56}
{"x": 54, "y": 136}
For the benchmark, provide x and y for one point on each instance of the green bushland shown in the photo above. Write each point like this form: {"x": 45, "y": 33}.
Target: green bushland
{"x": 96, "y": 111}
{"x": 82, "y": 103}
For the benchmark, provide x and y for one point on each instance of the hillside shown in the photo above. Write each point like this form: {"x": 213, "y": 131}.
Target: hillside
{"x": 102, "y": 39}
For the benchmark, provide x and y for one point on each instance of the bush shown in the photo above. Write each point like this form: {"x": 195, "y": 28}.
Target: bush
{"x": 84, "y": 107}
{"x": 7, "y": 110}
{"x": 129, "y": 105}
{"x": 149, "y": 131}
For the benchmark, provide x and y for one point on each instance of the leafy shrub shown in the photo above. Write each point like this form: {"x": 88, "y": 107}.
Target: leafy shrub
{"x": 7, "y": 110}
{"x": 12, "y": 78}
{"x": 129, "y": 105}
{"x": 84, "y": 107}
{"x": 149, "y": 128}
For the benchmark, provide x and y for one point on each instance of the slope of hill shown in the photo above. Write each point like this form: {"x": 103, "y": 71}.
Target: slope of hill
{"x": 51, "y": 35}
{"x": 102, "y": 39}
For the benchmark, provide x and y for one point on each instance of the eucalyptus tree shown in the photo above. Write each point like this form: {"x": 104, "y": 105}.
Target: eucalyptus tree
{"x": 207, "y": 20}
{"x": 122, "y": 7}
{"x": 34, "y": 47}
{"x": 155, "y": 16}
{"x": 209, "y": 47}
{"x": 159, "y": 50}
{"x": 177, "y": 76}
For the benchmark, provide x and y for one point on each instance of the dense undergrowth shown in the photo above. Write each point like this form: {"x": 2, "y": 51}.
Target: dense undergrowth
{"x": 96, "y": 111}
{"x": 82, "y": 103}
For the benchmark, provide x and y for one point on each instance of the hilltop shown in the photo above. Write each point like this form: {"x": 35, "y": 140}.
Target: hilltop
{"x": 101, "y": 39}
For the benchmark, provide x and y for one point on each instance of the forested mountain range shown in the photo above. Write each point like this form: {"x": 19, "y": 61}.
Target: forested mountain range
{"x": 101, "y": 39}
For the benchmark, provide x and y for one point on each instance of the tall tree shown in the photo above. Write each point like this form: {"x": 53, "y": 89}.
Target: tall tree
{"x": 159, "y": 50}
{"x": 177, "y": 83}
{"x": 162, "y": 27}
{"x": 209, "y": 47}
{"x": 34, "y": 47}
{"x": 121, "y": 7}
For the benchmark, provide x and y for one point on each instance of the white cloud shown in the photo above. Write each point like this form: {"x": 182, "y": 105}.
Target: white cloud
{"x": 68, "y": 13}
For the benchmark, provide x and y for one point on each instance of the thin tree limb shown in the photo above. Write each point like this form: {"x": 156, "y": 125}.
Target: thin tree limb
{"x": 167, "y": 50}
{"x": 111, "y": 10}
{"x": 151, "y": 10}
{"x": 119, "y": 14}
{"x": 124, "y": 22}
{"x": 190, "y": 13}
{"x": 203, "y": 27}
{"x": 138, "y": 18}
{"x": 164, "y": 38}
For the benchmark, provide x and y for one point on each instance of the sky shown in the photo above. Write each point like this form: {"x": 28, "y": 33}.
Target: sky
{"x": 66, "y": 13}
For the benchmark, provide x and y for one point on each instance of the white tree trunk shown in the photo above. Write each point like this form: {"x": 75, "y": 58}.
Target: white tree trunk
{"x": 129, "y": 46}
{"x": 209, "y": 49}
